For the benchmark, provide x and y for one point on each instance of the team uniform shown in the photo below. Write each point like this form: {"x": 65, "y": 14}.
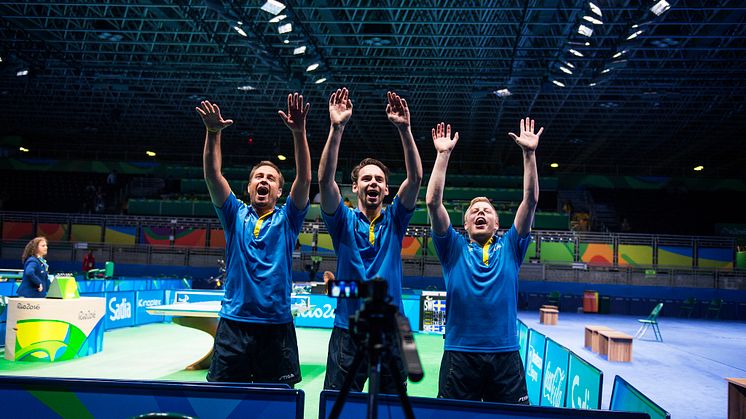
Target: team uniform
{"x": 255, "y": 339}
{"x": 35, "y": 272}
{"x": 481, "y": 359}
{"x": 365, "y": 250}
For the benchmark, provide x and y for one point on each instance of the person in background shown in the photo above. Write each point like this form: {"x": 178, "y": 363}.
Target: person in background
{"x": 89, "y": 261}
{"x": 35, "y": 283}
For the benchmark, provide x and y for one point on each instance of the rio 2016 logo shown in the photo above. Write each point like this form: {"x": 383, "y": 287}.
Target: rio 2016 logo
{"x": 325, "y": 312}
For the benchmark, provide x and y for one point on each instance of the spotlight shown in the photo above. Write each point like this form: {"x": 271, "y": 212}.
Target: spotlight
{"x": 558, "y": 83}
{"x": 595, "y": 9}
{"x": 565, "y": 70}
{"x": 300, "y": 50}
{"x": 660, "y": 7}
{"x": 150, "y": 153}
{"x": 575, "y": 52}
{"x": 502, "y": 93}
{"x": 634, "y": 35}
{"x": 273, "y": 6}
{"x": 288, "y": 27}
{"x": 585, "y": 31}
{"x": 24, "y": 149}
{"x": 281, "y": 157}
{"x": 554, "y": 165}
{"x": 699, "y": 168}
{"x": 312, "y": 67}
{"x": 321, "y": 80}
{"x": 240, "y": 31}
{"x": 277, "y": 18}
{"x": 22, "y": 73}
{"x": 593, "y": 20}
{"x": 246, "y": 88}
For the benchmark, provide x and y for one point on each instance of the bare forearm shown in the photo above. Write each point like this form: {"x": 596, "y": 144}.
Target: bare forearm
{"x": 410, "y": 187}
{"x": 302, "y": 183}
{"x": 439, "y": 219}
{"x": 328, "y": 169}
{"x": 212, "y": 157}
{"x": 530, "y": 179}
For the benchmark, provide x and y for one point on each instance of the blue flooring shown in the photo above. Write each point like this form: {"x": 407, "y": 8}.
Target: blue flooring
{"x": 685, "y": 374}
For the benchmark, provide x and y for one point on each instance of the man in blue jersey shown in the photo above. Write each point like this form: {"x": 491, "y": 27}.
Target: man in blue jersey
{"x": 367, "y": 239}
{"x": 255, "y": 339}
{"x": 481, "y": 359}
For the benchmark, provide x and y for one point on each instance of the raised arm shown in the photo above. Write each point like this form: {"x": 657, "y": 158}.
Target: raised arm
{"x": 439, "y": 219}
{"x": 340, "y": 111}
{"x": 212, "y": 157}
{"x": 295, "y": 119}
{"x": 398, "y": 113}
{"x": 528, "y": 141}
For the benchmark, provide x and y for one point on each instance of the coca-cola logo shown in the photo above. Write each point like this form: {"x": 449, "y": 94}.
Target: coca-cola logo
{"x": 28, "y": 306}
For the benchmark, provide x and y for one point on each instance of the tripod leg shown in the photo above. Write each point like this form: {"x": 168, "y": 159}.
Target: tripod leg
{"x": 339, "y": 403}
{"x": 399, "y": 381}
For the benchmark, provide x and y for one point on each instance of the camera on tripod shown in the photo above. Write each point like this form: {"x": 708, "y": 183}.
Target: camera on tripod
{"x": 377, "y": 327}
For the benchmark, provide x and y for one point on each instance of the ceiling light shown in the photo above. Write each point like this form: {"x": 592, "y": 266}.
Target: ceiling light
{"x": 321, "y": 80}
{"x": 24, "y": 149}
{"x": 619, "y": 54}
{"x": 286, "y": 41}
{"x": 273, "y": 6}
{"x": 300, "y": 50}
{"x": 277, "y": 18}
{"x": 281, "y": 157}
{"x": 575, "y": 52}
{"x": 558, "y": 83}
{"x": 565, "y": 70}
{"x": 593, "y": 20}
{"x": 634, "y": 35}
{"x": 585, "y": 31}
{"x": 240, "y": 31}
{"x": 239, "y": 23}
{"x": 246, "y": 88}
{"x": 605, "y": 70}
{"x": 554, "y": 165}
{"x": 592, "y": 84}
{"x": 660, "y": 7}
{"x": 150, "y": 153}
{"x": 595, "y": 9}
{"x": 22, "y": 73}
{"x": 288, "y": 27}
{"x": 312, "y": 67}
{"x": 502, "y": 92}
{"x": 699, "y": 168}
{"x": 568, "y": 64}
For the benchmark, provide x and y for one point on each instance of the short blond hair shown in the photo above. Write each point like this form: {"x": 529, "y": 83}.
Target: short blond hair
{"x": 480, "y": 199}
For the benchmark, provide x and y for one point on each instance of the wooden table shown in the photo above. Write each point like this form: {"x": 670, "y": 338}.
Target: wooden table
{"x": 616, "y": 345}
{"x": 736, "y": 397}
{"x": 591, "y": 336}
{"x": 548, "y": 316}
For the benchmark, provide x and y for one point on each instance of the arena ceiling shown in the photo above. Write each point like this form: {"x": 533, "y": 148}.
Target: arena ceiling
{"x": 650, "y": 91}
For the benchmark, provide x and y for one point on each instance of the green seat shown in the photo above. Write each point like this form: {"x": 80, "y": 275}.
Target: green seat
{"x": 652, "y": 320}
{"x": 716, "y": 304}
{"x": 107, "y": 272}
{"x": 687, "y": 307}
{"x": 553, "y": 299}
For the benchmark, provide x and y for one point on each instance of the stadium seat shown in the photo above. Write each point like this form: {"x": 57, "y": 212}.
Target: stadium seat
{"x": 687, "y": 307}
{"x": 716, "y": 304}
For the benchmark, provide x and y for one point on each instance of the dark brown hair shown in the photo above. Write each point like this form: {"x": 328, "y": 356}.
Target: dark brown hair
{"x": 32, "y": 247}
{"x": 270, "y": 164}
{"x": 367, "y": 162}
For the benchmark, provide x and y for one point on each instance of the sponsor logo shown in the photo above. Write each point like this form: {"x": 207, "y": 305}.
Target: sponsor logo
{"x": 534, "y": 363}
{"x": 553, "y": 380}
{"x": 87, "y": 314}
{"x": 148, "y": 303}
{"x": 119, "y": 311}
{"x": 286, "y": 377}
{"x": 28, "y": 306}
{"x": 579, "y": 401}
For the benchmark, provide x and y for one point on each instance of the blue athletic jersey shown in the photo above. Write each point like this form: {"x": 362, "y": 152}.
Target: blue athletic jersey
{"x": 482, "y": 290}
{"x": 364, "y": 253}
{"x": 258, "y": 261}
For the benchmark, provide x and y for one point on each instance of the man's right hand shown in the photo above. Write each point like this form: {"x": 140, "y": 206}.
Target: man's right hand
{"x": 340, "y": 107}
{"x": 210, "y": 114}
{"x": 442, "y": 138}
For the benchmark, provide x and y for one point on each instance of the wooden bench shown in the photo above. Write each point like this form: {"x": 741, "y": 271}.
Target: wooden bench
{"x": 591, "y": 336}
{"x": 616, "y": 345}
{"x": 548, "y": 316}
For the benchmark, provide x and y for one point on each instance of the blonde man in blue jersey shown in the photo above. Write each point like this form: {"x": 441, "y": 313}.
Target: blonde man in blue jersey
{"x": 481, "y": 359}
{"x": 255, "y": 340}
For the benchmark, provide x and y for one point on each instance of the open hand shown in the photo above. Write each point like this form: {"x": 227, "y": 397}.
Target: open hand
{"x": 397, "y": 110}
{"x": 210, "y": 114}
{"x": 340, "y": 107}
{"x": 295, "y": 119}
{"x": 527, "y": 140}
{"x": 442, "y": 138}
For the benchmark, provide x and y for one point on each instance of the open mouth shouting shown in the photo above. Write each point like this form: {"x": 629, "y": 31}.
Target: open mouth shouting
{"x": 372, "y": 195}
{"x": 262, "y": 192}
{"x": 480, "y": 222}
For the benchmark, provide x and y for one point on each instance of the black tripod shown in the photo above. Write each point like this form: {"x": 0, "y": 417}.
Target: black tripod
{"x": 374, "y": 328}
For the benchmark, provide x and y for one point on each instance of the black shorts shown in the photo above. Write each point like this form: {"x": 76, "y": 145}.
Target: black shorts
{"x": 255, "y": 352}
{"x": 490, "y": 377}
{"x": 342, "y": 349}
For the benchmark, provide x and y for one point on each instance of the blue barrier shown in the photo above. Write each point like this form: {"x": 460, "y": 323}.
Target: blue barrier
{"x": 35, "y": 398}
{"x": 554, "y": 383}
{"x": 584, "y": 384}
{"x": 626, "y": 398}
{"x": 535, "y": 365}
{"x": 389, "y": 407}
